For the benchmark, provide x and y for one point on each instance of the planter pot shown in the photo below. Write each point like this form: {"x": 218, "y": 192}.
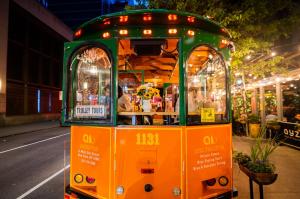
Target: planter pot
{"x": 254, "y": 130}
{"x": 147, "y": 106}
{"x": 260, "y": 178}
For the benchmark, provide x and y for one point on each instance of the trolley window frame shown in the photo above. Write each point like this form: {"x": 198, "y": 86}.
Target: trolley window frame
{"x": 227, "y": 84}
{"x": 73, "y": 49}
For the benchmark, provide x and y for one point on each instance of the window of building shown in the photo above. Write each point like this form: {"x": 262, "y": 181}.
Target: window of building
{"x": 34, "y": 62}
{"x": 15, "y": 61}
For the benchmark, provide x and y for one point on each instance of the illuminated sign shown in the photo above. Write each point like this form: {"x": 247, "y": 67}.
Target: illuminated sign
{"x": 290, "y": 133}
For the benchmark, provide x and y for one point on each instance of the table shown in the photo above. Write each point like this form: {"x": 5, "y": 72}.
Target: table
{"x": 134, "y": 114}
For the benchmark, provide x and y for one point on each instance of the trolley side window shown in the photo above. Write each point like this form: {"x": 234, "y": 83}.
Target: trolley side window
{"x": 206, "y": 87}
{"x": 92, "y": 91}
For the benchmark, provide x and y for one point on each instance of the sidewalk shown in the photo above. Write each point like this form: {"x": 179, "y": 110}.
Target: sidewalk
{"x": 287, "y": 164}
{"x": 25, "y": 128}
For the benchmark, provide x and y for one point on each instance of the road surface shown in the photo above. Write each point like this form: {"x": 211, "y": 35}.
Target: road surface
{"x": 33, "y": 165}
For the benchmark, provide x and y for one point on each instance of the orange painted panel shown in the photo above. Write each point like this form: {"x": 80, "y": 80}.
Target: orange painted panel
{"x": 91, "y": 156}
{"x": 148, "y": 155}
{"x": 209, "y": 152}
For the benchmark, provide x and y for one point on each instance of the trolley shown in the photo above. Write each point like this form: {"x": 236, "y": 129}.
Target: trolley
{"x": 146, "y": 93}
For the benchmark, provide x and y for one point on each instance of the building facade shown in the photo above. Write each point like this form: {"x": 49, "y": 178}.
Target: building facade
{"x": 31, "y": 54}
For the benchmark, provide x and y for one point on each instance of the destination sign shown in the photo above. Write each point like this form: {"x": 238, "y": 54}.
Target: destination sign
{"x": 90, "y": 111}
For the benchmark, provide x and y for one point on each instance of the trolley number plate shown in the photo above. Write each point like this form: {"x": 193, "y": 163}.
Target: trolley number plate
{"x": 149, "y": 139}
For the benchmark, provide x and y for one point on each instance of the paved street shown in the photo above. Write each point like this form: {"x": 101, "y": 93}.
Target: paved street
{"x": 31, "y": 164}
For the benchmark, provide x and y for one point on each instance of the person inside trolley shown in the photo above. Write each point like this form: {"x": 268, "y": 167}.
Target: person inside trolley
{"x": 124, "y": 104}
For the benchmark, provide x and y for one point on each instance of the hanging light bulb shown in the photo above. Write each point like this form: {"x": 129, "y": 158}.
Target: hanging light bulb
{"x": 93, "y": 70}
{"x": 273, "y": 54}
{"x": 85, "y": 85}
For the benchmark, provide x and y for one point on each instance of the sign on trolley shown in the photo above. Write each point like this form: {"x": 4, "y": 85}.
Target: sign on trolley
{"x": 90, "y": 111}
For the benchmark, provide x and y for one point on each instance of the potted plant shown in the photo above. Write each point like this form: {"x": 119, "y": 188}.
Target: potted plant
{"x": 254, "y": 125}
{"x": 146, "y": 92}
{"x": 257, "y": 164}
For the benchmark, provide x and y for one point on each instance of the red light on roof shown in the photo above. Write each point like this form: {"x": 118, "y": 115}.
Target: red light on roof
{"x": 78, "y": 33}
{"x": 191, "y": 32}
{"x": 106, "y": 21}
{"x": 191, "y": 19}
{"x": 123, "y": 19}
{"x": 106, "y": 35}
{"x": 172, "y": 17}
{"x": 147, "y": 17}
{"x": 224, "y": 43}
{"x": 123, "y": 32}
{"x": 172, "y": 31}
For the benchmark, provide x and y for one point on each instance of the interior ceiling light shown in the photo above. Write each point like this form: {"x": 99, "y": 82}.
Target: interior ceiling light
{"x": 123, "y": 32}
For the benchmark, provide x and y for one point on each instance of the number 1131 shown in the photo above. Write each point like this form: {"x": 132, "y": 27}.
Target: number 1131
{"x": 147, "y": 139}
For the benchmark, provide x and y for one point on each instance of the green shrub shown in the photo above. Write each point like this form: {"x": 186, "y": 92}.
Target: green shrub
{"x": 253, "y": 118}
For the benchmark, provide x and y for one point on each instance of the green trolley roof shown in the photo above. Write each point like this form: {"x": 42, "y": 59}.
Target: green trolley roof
{"x": 154, "y": 18}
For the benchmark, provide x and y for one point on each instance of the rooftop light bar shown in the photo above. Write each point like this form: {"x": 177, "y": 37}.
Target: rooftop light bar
{"x": 123, "y": 32}
{"x": 172, "y": 31}
{"x": 147, "y": 17}
{"x": 78, "y": 33}
{"x": 224, "y": 43}
{"x": 191, "y": 19}
{"x": 106, "y": 21}
{"x": 123, "y": 19}
{"x": 191, "y": 32}
{"x": 172, "y": 17}
{"x": 147, "y": 32}
{"x": 106, "y": 35}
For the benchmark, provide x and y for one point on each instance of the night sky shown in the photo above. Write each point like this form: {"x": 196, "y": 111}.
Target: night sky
{"x": 75, "y": 12}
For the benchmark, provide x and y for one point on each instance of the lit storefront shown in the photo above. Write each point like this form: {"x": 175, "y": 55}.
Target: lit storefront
{"x": 276, "y": 98}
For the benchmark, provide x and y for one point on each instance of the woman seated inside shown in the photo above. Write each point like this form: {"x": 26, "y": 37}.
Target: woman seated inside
{"x": 124, "y": 104}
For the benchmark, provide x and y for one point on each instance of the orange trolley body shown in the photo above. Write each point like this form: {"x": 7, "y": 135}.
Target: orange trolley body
{"x": 188, "y": 157}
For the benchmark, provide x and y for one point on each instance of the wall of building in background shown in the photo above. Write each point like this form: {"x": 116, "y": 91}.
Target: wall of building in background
{"x": 33, "y": 67}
